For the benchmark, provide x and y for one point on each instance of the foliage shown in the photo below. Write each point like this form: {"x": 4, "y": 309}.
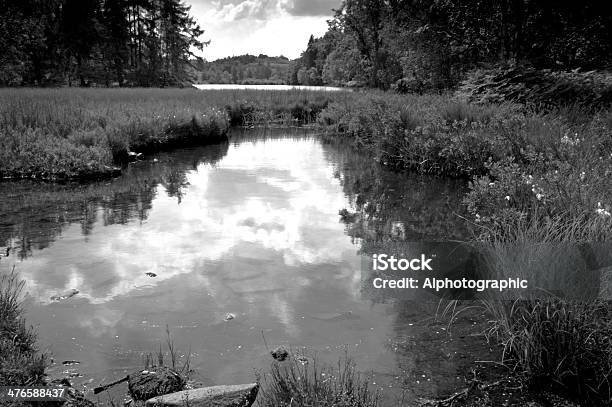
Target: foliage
{"x": 81, "y": 133}
{"x": 521, "y": 164}
{"x": 244, "y": 69}
{"x": 540, "y": 88}
{"x": 420, "y": 45}
{"x": 74, "y": 133}
{"x": 429, "y": 134}
{"x": 96, "y": 42}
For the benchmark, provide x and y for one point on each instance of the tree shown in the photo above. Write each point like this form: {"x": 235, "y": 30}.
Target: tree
{"x": 134, "y": 42}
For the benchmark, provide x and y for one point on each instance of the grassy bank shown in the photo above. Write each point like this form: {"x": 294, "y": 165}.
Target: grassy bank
{"x": 20, "y": 362}
{"x": 58, "y": 134}
{"x": 521, "y": 164}
{"x": 536, "y": 180}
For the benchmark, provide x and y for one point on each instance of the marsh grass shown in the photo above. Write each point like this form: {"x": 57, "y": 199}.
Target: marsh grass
{"x": 20, "y": 362}
{"x": 558, "y": 334}
{"x": 82, "y": 133}
{"x": 556, "y": 342}
{"x": 305, "y": 381}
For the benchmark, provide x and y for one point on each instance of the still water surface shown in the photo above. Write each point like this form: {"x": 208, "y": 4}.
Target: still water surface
{"x": 249, "y": 228}
{"x": 214, "y": 86}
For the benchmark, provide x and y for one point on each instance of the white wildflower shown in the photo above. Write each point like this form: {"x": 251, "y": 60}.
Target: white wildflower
{"x": 601, "y": 210}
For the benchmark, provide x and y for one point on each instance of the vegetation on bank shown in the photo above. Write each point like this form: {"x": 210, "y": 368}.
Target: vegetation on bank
{"x": 521, "y": 164}
{"x": 537, "y": 179}
{"x": 59, "y": 134}
{"x": 306, "y": 381}
{"x": 20, "y": 362}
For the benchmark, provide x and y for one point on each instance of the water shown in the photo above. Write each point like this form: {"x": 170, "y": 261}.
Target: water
{"x": 250, "y": 228}
{"x": 208, "y": 86}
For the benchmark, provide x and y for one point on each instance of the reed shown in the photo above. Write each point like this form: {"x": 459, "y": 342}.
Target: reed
{"x": 305, "y": 381}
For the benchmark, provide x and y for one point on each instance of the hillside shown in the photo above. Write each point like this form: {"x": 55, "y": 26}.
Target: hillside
{"x": 243, "y": 69}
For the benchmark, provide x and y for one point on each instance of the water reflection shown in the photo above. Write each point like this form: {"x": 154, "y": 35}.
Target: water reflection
{"x": 387, "y": 206}
{"x": 34, "y": 214}
{"x": 251, "y": 228}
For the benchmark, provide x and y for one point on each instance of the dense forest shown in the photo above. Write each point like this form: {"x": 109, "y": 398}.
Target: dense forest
{"x": 408, "y": 45}
{"x": 243, "y": 69}
{"x": 96, "y": 42}
{"x": 426, "y": 44}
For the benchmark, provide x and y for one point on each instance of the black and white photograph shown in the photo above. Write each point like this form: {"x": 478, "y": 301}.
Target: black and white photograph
{"x": 305, "y": 203}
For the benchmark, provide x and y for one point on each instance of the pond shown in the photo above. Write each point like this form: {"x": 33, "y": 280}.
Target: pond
{"x": 233, "y": 86}
{"x": 221, "y": 243}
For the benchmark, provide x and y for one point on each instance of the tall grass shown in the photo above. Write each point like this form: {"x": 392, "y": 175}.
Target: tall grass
{"x": 563, "y": 344}
{"x": 20, "y": 362}
{"x": 559, "y": 333}
{"x": 306, "y": 382}
{"x": 82, "y": 133}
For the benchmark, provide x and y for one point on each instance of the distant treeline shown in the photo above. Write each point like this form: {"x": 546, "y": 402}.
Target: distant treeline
{"x": 96, "y": 42}
{"x": 419, "y": 45}
{"x": 244, "y": 69}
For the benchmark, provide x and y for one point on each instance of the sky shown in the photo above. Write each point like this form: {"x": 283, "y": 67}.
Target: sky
{"x": 271, "y": 27}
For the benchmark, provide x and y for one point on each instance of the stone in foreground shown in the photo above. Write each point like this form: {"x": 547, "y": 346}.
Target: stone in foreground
{"x": 155, "y": 381}
{"x": 239, "y": 395}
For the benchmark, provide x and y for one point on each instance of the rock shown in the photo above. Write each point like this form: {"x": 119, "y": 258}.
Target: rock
{"x": 239, "y": 395}
{"x": 156, "y": 381}
{"x": 66, "y": 295}
{"x": 229, "y": 317}
{"x": 149, "y": 274}
{"x": 279, "y": 354}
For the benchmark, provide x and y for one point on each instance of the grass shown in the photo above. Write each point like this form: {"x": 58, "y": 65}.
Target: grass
{"x": 20, "y": 361}
{"x": 304, "y": 381}
{"x": 558, "y": 343}
{"x": 58, "y": 134}
{"x": 559, "y": 337}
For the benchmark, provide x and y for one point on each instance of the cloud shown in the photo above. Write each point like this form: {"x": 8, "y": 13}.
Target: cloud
{"x": 310, "y": 7}
{"x": 271, "y": 27}
{"x": 248, "y": 9}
